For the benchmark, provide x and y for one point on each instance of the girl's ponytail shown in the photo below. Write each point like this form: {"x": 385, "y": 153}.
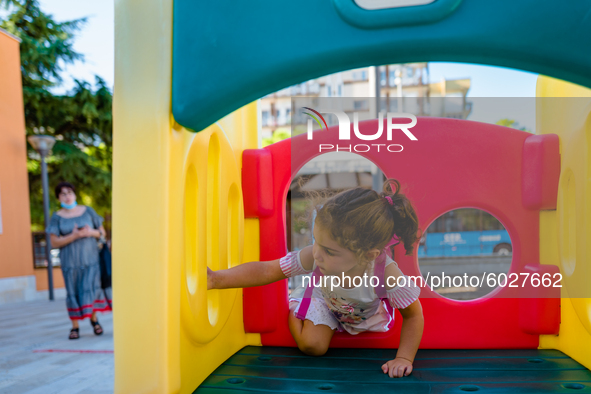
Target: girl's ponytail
{"x": 406, "y": 226}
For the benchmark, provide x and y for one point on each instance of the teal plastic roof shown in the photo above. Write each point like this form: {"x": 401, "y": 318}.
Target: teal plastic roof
{"x": 227, "y": 54}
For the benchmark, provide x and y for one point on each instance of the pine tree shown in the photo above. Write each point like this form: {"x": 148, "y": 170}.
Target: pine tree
{"x": 81, "y": 120}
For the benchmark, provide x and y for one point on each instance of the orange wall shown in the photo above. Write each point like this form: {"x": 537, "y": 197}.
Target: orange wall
{"x": 16, "y": 250}
{"x": 41, "y": 279}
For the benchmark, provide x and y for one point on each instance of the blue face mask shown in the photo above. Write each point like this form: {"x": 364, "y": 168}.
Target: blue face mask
{"x": 69, "y": 206}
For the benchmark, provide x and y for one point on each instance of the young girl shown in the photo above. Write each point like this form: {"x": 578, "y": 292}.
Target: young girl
{"x": 353, "y": 231}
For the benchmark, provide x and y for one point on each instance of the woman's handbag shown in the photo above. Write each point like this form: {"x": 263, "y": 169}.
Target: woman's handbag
{"x": 105, "y": 265}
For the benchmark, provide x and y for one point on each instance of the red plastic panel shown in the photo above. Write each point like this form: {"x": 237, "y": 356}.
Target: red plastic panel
{"x": 541, "y": 170}
{"x": 453, "y": 164}
{"x": 255, "y": 297}
{"x": 257, "y": 184}
{"x": 541, "y": 315}
{"x": 263, "y": 305}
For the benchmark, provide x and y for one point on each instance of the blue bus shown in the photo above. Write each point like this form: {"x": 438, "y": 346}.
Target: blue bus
{"x": 465, "y": 232}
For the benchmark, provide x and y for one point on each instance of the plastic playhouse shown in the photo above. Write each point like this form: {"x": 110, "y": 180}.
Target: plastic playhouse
{"x": 192, "y": 189}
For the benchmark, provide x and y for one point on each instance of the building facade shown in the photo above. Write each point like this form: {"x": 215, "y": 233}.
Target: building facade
{"x": 19, "y": 280}
{"x": 402, "y": 88}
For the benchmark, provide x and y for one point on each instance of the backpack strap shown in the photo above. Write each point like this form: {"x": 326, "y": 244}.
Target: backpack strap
{"x": 307, "y": 298}
{"x": 380, "y": 272}
{"x": 380, "y": 268}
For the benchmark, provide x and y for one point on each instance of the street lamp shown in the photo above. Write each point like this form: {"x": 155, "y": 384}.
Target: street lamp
{"x": 377, "y": 177}
{"x": 43, "y": 144}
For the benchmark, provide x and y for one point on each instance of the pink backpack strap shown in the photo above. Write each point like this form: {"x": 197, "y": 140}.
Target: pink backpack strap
{"x": 380, "y": 265}
{"x": 380, "y": 272}
{"x": 307, "y": 298}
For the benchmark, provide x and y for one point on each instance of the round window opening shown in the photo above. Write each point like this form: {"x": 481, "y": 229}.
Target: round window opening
{"x": 462, "y": 251}
{"x": 319, "y": 179}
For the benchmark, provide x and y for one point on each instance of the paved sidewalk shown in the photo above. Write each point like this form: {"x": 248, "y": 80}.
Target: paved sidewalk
{"x": 37, "y": 357}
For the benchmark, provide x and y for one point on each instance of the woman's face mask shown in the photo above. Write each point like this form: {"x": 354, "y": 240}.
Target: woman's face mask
{"x": 67, "y": 198}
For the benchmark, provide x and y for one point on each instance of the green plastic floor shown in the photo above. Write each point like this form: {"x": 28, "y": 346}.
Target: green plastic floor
{"x": 279, "y": 369}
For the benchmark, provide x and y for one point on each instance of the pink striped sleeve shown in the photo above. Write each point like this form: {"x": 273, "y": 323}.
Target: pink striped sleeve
{"x": 402, "y": 296}
{"x": 291, "y": 265}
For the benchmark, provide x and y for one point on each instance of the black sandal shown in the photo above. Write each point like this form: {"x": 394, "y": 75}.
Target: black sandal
{"x": 98, "y": 330}
{"x": 74, "y": 333}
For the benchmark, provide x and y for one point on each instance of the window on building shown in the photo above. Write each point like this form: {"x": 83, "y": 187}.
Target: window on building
{"x": 360, "y": 105}
{"x": 265, "y": 118}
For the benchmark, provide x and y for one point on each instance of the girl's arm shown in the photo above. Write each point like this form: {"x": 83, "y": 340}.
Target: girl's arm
{"x": 412, "y": 323}
{"x": 410, "y": 338}
{"x": 259, "y": 273}
{"x": 411, "y": 332}
{"x": 256, "y": 273}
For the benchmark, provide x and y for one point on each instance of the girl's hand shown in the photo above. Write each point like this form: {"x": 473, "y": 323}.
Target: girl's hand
{"x": 210, "y": 275}
{"x": 397, "y": 368}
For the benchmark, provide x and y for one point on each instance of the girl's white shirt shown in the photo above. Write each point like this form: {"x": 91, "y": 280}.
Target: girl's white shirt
{"x": 357, "y": 309}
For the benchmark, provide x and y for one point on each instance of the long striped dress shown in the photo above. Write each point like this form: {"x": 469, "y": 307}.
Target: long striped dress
{"x": 80, "y": 266}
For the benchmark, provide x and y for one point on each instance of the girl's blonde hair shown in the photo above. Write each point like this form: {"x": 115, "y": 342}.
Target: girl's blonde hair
{"x": 361, "y": 219}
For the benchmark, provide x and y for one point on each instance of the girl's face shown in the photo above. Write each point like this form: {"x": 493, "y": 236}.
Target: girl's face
{"x": 67, "y": 196}
{"x": 330, "y": 257}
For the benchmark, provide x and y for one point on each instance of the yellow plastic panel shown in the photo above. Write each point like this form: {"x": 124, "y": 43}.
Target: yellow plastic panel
{"x": 212, "y": 212}
{"x": 565, "y": 233}
{"x": 146, "y": 335}
{"x": 210, "y": 232}
{"x": 177, "y": 204}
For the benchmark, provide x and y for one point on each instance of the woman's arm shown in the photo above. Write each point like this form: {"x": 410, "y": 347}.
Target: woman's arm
{"x": 86, "y": 231}
{"x": 63, "y": 240}
{"x": 98, "y": 233}
{"x": 96, "y": 219}
{"x": 256, "y": 273}
{"x": 410, "y": 338}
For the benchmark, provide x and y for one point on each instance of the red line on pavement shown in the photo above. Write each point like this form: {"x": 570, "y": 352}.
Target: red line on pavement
{"x": 71, "y": 351}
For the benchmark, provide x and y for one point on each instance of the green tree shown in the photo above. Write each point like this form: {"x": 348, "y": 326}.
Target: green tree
{"x": 278, "y": 135}
{"x": 80, "y": 120}
{"x": 512, "y": 123}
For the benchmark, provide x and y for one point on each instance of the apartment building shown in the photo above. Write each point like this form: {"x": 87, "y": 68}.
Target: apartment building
{"x": 402, "y": 88}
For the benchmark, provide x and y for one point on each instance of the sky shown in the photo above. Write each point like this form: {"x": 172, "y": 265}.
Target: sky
{"x": 496, "y": 92}
{"x": 96, "y": 39}
{"x": 96, "y": 42}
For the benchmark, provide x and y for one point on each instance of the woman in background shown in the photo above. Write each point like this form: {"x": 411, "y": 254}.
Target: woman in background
{"x": 74, "y": 229}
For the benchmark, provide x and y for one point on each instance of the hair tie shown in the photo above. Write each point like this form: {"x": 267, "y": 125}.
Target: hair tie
{"x": 389, "y": 200}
